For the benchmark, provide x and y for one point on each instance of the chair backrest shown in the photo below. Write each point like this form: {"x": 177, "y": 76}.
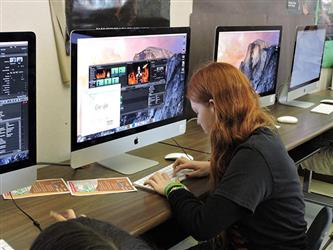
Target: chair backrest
{"x": 319, "y": 227}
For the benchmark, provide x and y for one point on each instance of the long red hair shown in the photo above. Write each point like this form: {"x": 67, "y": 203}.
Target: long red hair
{"x": 237, "y": 110}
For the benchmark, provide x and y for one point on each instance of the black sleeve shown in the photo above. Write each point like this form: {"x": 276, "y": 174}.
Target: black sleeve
{"x": 248, "y": 179}
{"x": 246, "y": 183}
{"x": 204, "y": 220}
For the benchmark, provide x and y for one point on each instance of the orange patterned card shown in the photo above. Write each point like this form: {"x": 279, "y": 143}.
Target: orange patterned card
{"x": 39, "y": 188}
{"x": 101, "y": 186}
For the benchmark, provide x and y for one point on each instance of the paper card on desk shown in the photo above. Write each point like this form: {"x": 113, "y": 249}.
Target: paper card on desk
{"x": 101, "y": 186}
{"x": 323, "y": 109}
{"x": 39, "y": 188}
{"x": 4, "y": 245}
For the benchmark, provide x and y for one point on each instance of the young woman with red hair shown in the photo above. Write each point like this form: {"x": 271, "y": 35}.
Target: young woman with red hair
{"x": 256, "y": 201}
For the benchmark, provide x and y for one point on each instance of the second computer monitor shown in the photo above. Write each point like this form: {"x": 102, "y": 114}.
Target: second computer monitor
{"x": 255, "y": 51}
{"x": 17, "y": 110}
{"x": 128, "y": 91}
{"x": 306, "y": 65}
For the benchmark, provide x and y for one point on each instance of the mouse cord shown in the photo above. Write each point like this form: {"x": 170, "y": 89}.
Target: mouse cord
{"x": 192, "y": 149}
{"x": 181, "y": 148}
{"x": 35, "y": 223}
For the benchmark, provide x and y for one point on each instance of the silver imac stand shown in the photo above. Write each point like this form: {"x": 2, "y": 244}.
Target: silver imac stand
{"x": 299, "y": 104}
{"x": 127, "y": 164}
{"x": 266, "y": 101}
{"x": 288, "y": 98}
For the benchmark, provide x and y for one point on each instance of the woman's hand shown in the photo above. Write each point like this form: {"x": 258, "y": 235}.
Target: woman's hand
{"x": 200, "y": 168}
{"x": 67, "y": 215}
{"x": 158, "y": 182}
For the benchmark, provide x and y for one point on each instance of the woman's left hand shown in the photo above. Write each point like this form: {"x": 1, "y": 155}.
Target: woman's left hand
{"x": 158, "y": 181}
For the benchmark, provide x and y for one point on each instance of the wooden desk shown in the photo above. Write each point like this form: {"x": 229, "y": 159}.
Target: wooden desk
{"x": 309, "y": 125}
{"x": 140, "y": 211}
{"x": 135, "y": 212}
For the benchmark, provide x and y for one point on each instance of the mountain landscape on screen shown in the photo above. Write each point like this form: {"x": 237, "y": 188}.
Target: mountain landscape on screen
{"x": 259, "y": 65}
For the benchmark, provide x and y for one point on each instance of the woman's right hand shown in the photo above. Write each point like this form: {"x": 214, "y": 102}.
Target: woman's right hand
{"x": 200, "y": 168}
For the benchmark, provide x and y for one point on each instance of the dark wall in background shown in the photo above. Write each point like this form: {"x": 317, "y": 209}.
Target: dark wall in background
{"x": 207, "y": 14}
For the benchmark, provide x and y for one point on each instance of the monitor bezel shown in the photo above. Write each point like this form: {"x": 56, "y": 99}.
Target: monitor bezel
{"x": 115, "y": 32}
{"x": 31, "y": 39}
{"x": 298, "y": 29}
{"x": 251, "y": 28}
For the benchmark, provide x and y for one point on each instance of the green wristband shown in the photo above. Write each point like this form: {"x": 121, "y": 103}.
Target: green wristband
{"x": 175, "y": 188}
{"x": 171, "y": 185}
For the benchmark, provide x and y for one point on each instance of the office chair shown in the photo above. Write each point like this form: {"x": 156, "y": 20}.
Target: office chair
{"x": 329, "y": 242}
{"x": 319, "y": 228}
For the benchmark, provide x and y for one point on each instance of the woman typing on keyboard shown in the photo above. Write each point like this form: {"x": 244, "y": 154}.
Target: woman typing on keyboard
{"x": 256, "y": 200}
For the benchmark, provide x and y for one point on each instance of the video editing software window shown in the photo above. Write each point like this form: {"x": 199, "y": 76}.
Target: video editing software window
{"x": 124, "y": 82}
{"x": 253, "y": 50}
{"x": 13, "y": 102}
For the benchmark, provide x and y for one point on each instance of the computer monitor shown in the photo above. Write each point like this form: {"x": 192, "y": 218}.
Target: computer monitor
{"x": 306, "y": 64}
{"x": 17, "y": 110}
{"x": 128, "y": 91}
{"x": 255, "y": 51}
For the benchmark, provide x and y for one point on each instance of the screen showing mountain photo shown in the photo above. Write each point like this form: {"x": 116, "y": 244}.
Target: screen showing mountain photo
{"x": 255, "y": 53}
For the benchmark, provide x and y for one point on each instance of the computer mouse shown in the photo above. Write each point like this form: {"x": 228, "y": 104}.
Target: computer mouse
{"x": 287, "y": 119}
{"x": 327, "y": 101}
{"x": 175, "y": 156}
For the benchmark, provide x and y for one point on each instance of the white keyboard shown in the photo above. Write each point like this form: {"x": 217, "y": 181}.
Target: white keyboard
{"x": 323, "y": 109}
{"x": 181, "y": 175}
{"x": 4, "y": 245}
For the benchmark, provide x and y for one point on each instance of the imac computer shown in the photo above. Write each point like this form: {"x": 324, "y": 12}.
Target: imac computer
{"x": 255, "y": 51}
{"x": 306, "y": 64}
{"x": 17, "y": 110}
{"x": 128, "y": 91}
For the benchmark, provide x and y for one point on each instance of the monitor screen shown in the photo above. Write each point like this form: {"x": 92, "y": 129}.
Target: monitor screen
{"x": 126, "y": 81}
{"x": 17, "y": 101}
{"x": 254, "y": 50}
{"x": 308, "y": 55}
